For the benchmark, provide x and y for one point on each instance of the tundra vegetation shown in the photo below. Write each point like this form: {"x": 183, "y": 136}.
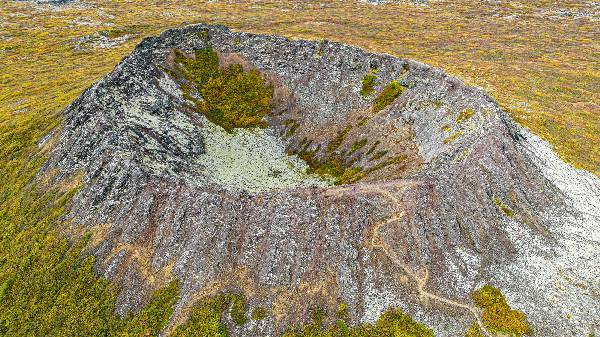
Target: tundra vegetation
{"x": 498, "y": 317}
{"x": 231, "y": 97}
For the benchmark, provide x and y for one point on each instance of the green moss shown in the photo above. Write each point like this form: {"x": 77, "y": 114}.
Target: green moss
{"x": 372, "y": 148}
{"x": 464, "y": 115}
{"x": 378, "y": 155}
{"x": 498, "y": 316}
{"x": 357, "y": 145}
{"x": 318, "y": 316}
{"x": 393, "y": 323}
{"x": 238, "y": 309}
{"x": 342, "y": 312}
{"x": 474, "y": 331}
{"x": 232, "y": 98}
{"x": 259, "y": 313}
{"x": 203, "y": 34}
{"x": 351, "y": 175}
{"x": 338, "y": 140}
{"x": 292, "y": 125}
{"x": 368, "y": 85}
{"x": 319, "y": 50}
{"x": 387, "y": 96}
{"x": 205, "y": 319}
{"x": 155, "y": 316}
{"x": 503, "y": 207}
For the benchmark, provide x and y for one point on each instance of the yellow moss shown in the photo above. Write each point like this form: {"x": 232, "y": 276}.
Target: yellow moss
{"x": 498, "y": 316}
{"x": 387, "y": 96}
{"x": 505, "y": 209}
{"x": 464, "y": 115}
{"x": 453, "y": 137}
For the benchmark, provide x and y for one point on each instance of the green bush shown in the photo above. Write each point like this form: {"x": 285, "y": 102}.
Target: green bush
{"x": 232, "y": 98}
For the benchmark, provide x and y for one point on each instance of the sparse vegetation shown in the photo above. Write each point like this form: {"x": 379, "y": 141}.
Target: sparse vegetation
{"x": 231, "y": 97}
{"x": 368, "y": 85}
{"x": 373, "y": 147}
{"x": 259, "y": 313}
{"x": 292, "y": 125}
{"x": 357, "y": 145}
{"x": 505, "y": 209}
{"x": 454, "y": 136}
{"x": 498, "y": 316}
{"x": 464, "y": 115}
{"x": 392, "y": 323}
{"x": 387, "y": 96}
{"x": 338, "y": 140}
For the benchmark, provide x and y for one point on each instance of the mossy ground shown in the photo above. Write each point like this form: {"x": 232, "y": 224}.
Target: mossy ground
{"x": 391, "y": 91}
{"x": 498, "y": 316}
{"x": 368, "y": 85}
{"x": 392, "y": 323}
{"x": 231, "y": 97}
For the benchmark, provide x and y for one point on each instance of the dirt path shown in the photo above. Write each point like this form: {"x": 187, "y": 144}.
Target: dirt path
{"x": 377, "y": 242}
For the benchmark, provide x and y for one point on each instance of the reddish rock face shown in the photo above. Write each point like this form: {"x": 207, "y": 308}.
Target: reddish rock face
{"x": 420, "y": 232}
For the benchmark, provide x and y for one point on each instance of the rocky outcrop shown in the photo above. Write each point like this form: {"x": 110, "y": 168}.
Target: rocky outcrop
{"x": 462, "y": 198}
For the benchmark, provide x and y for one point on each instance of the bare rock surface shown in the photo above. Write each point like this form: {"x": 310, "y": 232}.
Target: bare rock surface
{"x": 474, "y": 200}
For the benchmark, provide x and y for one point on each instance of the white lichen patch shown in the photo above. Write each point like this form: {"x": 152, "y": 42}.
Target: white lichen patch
{"x": 253, "y": 160}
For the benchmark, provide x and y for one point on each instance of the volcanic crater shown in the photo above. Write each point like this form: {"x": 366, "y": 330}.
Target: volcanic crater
{"x": 308, "y": 174}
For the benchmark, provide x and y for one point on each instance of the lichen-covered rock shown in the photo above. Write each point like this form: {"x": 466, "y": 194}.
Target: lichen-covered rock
{"x": 443, "y": 193}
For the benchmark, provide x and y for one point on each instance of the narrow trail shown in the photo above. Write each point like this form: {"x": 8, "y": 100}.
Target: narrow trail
{"x": 377, "y": 242}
